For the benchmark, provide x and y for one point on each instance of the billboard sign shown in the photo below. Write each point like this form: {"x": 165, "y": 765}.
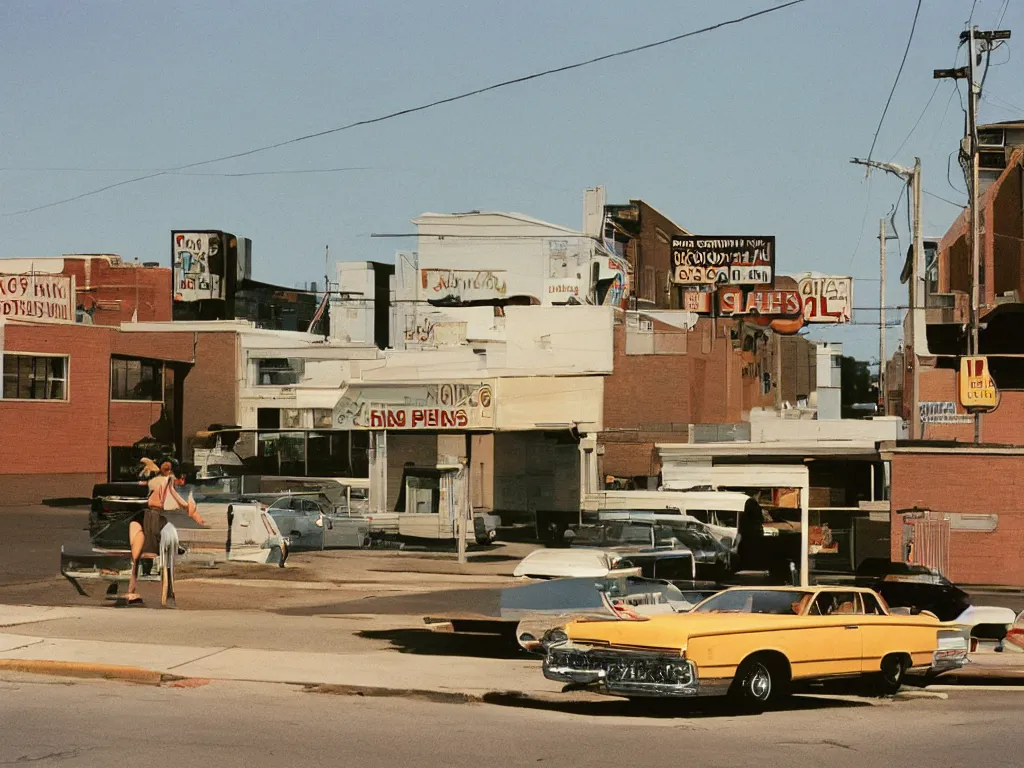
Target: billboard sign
{"x": 704, "y": 260}
{"x": 197, "y": 265}
{"x": 774, "y": 303}
{"x": 826, "y": 299}
{"x": 38, "y": 296}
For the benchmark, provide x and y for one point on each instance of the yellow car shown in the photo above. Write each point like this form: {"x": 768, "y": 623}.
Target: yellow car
{"x": 752, "y": 643}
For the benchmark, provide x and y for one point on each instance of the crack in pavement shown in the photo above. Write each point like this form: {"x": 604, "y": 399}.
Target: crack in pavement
{"x": 821, "y": 743}
{"x": 63, "y": 755}
{"x": 201, "y": 658}
{"x": 21, "y": 647}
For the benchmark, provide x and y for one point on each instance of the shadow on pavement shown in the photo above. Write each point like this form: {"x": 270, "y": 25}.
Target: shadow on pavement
{"x": 430, "y": 643}
{"x": 458, "y": 602}
{"x": 660, "y": 708}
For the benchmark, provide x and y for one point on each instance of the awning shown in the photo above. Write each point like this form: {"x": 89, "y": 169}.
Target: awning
{"x": 317, "y": 398}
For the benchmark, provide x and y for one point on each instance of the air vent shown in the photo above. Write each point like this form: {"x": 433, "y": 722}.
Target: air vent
{"x": 992, "y": 139}
{"x": 991, "y": 161}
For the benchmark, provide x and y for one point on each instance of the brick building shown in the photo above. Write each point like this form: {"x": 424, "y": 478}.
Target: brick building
{"x": 76, "y": 397}
{"x": 978, "y": 497}
{"x": 666, "y": 378}
{"x": 643, "y": 235}
{"x": 108, "y": 290}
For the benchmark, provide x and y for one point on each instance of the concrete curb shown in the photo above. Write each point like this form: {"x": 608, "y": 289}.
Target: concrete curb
{"x": 86, "y": 670}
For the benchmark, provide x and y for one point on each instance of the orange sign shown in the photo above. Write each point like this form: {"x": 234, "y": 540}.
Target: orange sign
{"x": 977, "y": 389}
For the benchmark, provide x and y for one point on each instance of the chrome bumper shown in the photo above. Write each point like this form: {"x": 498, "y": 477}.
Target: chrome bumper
{"x": 942, "y": 661}
{"x": 627, "y": 673}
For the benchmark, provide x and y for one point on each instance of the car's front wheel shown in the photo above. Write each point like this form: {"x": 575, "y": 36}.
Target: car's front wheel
{"x": 760, "y": 682}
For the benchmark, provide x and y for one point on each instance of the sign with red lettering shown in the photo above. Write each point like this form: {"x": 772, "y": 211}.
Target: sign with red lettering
{"x": 41, "y": 297}
{"x": 826, "y": 299}
{"x": 977, "y": 388}
{"x": 781, "y": 303}
{"x": 440, "y": 406}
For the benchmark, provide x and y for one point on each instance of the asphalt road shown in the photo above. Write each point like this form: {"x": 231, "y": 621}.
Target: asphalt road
{"x": 31, "y": 538}
{"x": 48, "y": 721}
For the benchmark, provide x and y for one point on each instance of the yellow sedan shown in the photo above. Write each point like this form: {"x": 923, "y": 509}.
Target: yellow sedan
{"x": 753, "y": 643}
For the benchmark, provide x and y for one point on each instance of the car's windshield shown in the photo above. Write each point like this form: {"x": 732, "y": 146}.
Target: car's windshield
{"x": 612, "y": 534}
{"x": 684, "y": 535}
{"x": 779, "y": 602}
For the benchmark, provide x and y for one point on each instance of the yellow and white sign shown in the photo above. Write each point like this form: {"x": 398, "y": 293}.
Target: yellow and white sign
{"x": 977, "y": 389}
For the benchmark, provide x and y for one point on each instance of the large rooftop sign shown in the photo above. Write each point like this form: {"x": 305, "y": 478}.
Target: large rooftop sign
{"x": 725, "y": 260}
{"x": 38, "y": 296}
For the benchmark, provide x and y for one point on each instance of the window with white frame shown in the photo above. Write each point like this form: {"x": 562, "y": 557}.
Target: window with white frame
{"x": 278, "y": 371}
{"x": 35, "y": 377}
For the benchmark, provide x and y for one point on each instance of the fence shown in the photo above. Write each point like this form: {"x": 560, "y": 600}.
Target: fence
{"x": 926, "y": 540}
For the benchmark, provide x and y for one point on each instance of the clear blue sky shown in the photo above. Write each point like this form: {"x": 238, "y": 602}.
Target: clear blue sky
{"x": 746, "y": 130}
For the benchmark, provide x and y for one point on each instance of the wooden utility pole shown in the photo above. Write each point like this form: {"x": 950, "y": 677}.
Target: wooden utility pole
{"x": 882, "y": 392}
{"x": 913, "y": 177}
{"x": 972, "y": 37}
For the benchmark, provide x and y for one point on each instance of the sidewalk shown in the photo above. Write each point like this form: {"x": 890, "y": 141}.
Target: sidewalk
{"x": 358, "y": 653}
{"x": 48, "y": 641}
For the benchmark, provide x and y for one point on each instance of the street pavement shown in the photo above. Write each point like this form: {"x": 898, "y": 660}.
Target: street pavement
{"x": 88, "y": 723}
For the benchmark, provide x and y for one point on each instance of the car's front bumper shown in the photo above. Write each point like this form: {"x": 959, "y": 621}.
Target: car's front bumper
{"x": 628, "y": 673}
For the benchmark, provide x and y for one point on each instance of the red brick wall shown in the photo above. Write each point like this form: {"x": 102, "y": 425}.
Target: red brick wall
{"x": 114, "y": 292}
{"x": 652, "y": 399}
{"x": 70, "y": 438}
{"x": 211, "y": 388}
{"x": 1004, "y": 425}
{"x": 967, "y": 482}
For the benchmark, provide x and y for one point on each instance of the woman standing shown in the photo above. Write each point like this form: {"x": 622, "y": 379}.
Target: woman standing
{"x": 149, "y": 529}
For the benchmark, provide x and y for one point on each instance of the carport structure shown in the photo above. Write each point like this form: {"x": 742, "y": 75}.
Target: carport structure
{"x": 743, "y": 465}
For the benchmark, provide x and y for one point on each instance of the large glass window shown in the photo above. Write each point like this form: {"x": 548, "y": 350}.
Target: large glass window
{"x": 136, "y": 379}
{"x": 32, "y": 377}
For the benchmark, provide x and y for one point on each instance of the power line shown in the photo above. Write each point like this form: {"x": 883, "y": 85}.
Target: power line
{"x": 944, "y": 199}
{"x": 286, "y": 172}
{"x": 421, "y": 107}
{"x": 918, "y": 121}
{"x": 895, "y": 82}
{"x": 1006, "y": 4}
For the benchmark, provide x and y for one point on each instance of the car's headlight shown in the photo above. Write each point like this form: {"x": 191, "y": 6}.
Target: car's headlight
{"x": 553, "y": 637}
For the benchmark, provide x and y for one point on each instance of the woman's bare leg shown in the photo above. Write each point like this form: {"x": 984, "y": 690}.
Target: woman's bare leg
{"x": 137, "y": 540}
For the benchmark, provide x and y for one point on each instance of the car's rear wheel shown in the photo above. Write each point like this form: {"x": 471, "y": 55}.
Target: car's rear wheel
{"x": 760, "y": 682}
{"x": 893, "y": 671}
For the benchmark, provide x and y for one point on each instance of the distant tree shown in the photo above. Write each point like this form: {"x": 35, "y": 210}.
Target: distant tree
{"x": 857, "y": 387}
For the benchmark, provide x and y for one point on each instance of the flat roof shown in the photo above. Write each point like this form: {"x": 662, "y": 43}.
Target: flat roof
{"x": 795, "y": 448}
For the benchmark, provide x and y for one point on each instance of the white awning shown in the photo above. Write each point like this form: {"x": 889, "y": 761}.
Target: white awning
{"x": 317, "y": 398}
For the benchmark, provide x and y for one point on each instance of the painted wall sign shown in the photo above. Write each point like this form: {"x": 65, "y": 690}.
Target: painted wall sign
{"x": 697, "y": 301}
{"x": 441, "y": 406}
{"x": 36, "y": 296}
{"x": 702, "y": 260}
{"x": 941, "y": 413}
{"x": 826, "y": 299}
{"x": 781, "y": 303}
{"x": 197, "y": 263}
{"x": 977, "y": 389}
{"x": 463, "y": 284}
{"x": 559, "y": 291}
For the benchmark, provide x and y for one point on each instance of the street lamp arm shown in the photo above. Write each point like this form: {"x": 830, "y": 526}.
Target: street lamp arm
{"x": 896, "y": 170}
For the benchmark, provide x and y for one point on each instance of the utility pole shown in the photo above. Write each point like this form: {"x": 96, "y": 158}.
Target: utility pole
{"x": 881, "y": 318}
{"x": 972, "y": 37}
{"x": 913, "y": 177}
